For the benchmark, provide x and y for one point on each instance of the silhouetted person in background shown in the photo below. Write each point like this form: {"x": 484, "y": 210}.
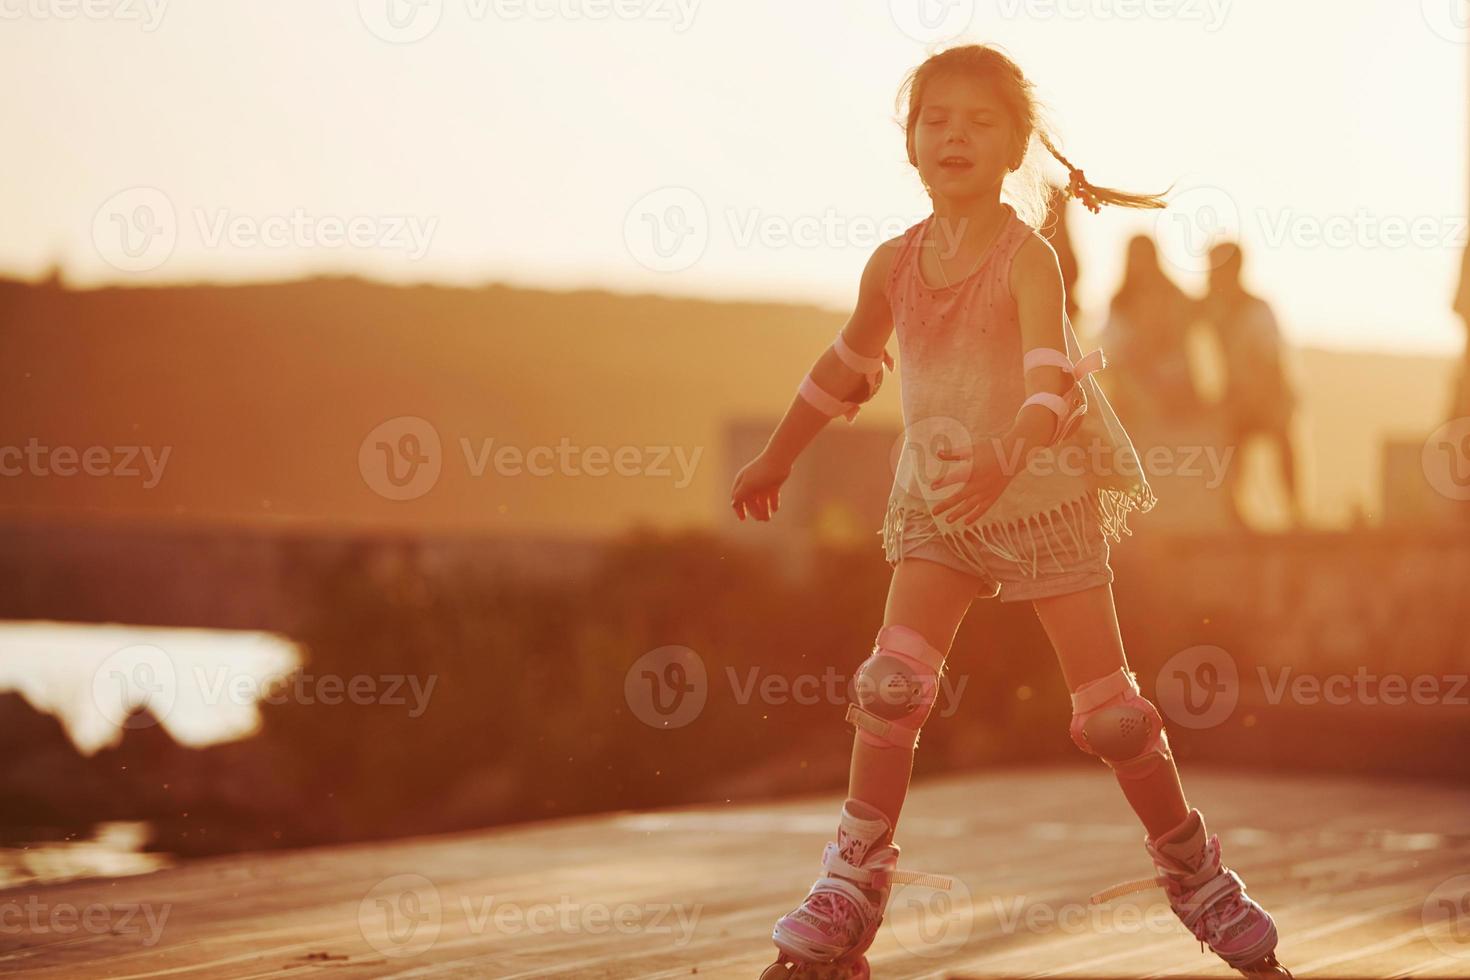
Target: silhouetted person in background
{"x": 1460, "y": 396}
{"x": 1144, "y": 336}
{"x": 1460, "y": 399}
{"x": 1258, "y": 398}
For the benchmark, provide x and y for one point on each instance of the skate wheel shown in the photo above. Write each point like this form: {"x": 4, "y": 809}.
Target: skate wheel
{"x": 855, "y": 969}
{"x": 1268, "y": 966}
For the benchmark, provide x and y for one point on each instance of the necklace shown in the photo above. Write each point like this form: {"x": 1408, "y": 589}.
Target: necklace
{"x": 983, "y": 252}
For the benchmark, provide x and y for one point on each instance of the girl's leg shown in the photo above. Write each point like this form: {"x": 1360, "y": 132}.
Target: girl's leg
{"x": 931, "y": 598}
{"x": 1083, "y": 628}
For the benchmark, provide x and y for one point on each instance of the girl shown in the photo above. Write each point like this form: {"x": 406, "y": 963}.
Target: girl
{"x": 995, "y": 392}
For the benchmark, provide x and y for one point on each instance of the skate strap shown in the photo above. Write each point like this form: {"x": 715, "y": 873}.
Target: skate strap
{"x": 941, "y": 882}
{"x": 1189, "y": 912}
{"x": 909, "y": 642}
{"x": 1060, "y": 407}
{"x": 871, "y": 368}
{"x": 832, "y": 883}
{"x": 1051, "y": 357}
{"x": 858, "y": 362}
{"x": 878, "y": 877}
{"x": 1208, "y": 894}
{"x": 825, "y": 403}
{"x": 834, "y": 863}
{"x": 891, "y": 732}
{"x": 1069, "y": 411}
{"x": 1095, "y": 694}
{"x": 1124, "y": 888}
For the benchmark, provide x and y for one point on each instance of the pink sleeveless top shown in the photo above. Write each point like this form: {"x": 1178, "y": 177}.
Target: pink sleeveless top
{"x": 961, "y": 382}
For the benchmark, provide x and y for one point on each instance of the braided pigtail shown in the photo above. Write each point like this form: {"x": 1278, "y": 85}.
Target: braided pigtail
{"x": 1092, "y": 196}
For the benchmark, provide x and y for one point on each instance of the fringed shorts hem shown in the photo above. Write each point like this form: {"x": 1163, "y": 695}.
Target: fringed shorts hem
{"x": 1064, "y": 563}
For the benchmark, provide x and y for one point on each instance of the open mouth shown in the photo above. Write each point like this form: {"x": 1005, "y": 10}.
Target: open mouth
{"x": 955, "y": 164}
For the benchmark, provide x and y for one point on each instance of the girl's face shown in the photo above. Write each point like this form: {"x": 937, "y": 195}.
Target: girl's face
{"x": 964, "y": 140}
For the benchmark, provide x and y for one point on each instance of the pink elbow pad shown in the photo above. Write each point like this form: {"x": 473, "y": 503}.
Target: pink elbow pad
{"x": 825, "y": 403}
{"x": 871, "y": 368}
{"x": 1071, "y": 407}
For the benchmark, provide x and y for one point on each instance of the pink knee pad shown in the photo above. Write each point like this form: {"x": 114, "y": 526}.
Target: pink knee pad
{"x": 896, "y": 688}
{"x": 1112, "y": 720}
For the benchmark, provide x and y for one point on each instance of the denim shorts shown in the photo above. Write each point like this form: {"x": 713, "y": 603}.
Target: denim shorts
{"x": 1063, "y": 565}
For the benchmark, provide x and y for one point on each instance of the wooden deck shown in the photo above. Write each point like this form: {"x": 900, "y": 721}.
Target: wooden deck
{"x": 1361, "y": 876}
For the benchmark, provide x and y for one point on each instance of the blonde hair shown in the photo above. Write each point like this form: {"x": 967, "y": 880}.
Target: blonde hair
{"x": 1026, "y": 187}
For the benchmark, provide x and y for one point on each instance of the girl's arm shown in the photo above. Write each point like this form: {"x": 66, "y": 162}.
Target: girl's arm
{"x": 866, "y": 335}
{"x": 1036, "y": 282}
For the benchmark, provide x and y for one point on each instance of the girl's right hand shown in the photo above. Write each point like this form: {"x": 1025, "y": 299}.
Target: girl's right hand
{"x": 758, "y": 488}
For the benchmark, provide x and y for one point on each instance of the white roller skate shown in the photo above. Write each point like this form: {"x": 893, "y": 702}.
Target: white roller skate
{"x": 1209, "y": 899}
{"x": 826, "y": 936}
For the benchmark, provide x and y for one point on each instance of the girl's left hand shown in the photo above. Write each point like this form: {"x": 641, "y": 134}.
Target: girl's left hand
{"x": 983, "y": 478}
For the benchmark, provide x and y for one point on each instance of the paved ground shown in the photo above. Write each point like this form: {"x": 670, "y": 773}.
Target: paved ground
{"x": 1361, "y": 876}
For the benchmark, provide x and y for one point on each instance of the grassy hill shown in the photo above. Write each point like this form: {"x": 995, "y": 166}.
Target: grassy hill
{"x": 262, "y": 396}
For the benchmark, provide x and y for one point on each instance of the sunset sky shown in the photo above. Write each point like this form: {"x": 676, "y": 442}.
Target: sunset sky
{"x": 521, "y": 142}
